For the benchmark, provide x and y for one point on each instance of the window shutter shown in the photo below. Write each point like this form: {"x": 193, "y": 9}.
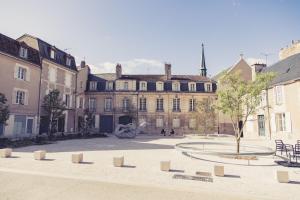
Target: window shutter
{"x": 282, "y": 94}
{"x": 16, "y": 71}
{"x": 273, "y": 123}
{"x": 96, "y": 121}
{"x": 26, "y": 99}
{"x": 27, "y": 75}
{"x": 288, "y": 122}
{"x": 14, "y": 97}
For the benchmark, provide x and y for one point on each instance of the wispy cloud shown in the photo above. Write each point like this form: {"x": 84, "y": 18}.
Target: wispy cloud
{"x": 134, "y": 66}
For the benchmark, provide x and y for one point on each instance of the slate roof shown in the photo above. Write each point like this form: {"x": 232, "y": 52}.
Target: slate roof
{"x": 286, "y": 70}
{"x": 12, "y": 47}
{"x": 60, "y": 56}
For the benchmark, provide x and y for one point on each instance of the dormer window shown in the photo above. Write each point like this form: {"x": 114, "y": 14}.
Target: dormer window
{"x": 68, "y": 61}
{"x": 125, "y": 86}
{"x": 159, "y": 86}
{"x": 143, "y": 85}
{"x": 93, "y": 85}
{"x": 192, "y": 87}
{"x": 52, "y": 54}
{"x": 176, "y": 86}
{"x": 23, "y": 52}
{"x": 208, "y": 87}
{"x": 109, "y": 85}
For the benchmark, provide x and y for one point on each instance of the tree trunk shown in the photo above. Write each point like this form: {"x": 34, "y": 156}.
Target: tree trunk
{"x": 238, "y": 146}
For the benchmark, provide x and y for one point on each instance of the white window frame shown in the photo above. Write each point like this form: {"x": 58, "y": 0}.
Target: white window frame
{"x": 68, "y": 61}
{"x": 20, "y": 97}
{"x": 93, "y": 85}
{"x": 108, "y": 106}
{"x": 279, "y": 94}
{"x": 125, "y": 85}
{"x": 109, "y": 85}
{"x": 192, "y": 105}
{"x": 143, "y": 86}
{"x": 192, "y": 87}
{"x": 92, "y": 104}
{"x": 280, "y": 122}
{"x": 176, "y": 86}
{"x": 22, "y": 73}
{"x": 52, "y": 54}
{"x": 176, "y": 104}
{"x": 160, "y": 104}
{"x": 159, "y": 86}
{"x": 143, "y": 104}
{"x": 125, "y": 104}
{"x": 23, "y": 52}
{"x": 208, "y": 87}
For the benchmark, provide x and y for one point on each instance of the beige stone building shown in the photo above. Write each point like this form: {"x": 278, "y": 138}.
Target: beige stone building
{"x": 282, "y": 119}
{"x": 156, "y": 101}
{"x": 58, "y": 72}
{"x": 290, "y": 50}
{"x": 20, "y": 71}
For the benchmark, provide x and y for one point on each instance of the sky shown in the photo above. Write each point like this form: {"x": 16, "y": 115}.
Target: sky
{"x": 142, "y": 35}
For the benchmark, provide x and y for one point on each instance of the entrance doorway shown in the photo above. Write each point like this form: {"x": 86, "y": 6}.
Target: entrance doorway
{"x": 261, "y": 125}
{"x": 106, "y": 123}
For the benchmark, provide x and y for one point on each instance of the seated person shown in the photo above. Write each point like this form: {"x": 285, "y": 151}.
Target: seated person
{"x": 172, "y": 132}
{"x": 163, "y": 132}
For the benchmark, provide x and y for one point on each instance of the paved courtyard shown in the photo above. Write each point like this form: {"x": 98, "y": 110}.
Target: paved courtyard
{"x": 96, "y": 178}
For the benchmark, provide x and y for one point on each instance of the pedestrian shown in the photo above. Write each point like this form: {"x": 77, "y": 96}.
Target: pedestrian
{"x": 163, "y": 132}
{"x": 172, "y": 132}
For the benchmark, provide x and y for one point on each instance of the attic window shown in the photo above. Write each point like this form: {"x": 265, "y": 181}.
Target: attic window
{"x": 52, "y": 54}
{"x": 68, "y": 61}
{"x": 23, "y": 52}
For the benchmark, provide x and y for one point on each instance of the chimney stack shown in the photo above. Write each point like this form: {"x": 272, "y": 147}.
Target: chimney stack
{"x": 168, "y": 73}
{"x": 118, "y": 71}
{"x": 82, "y": 64}
{"x": 257, "y": 68}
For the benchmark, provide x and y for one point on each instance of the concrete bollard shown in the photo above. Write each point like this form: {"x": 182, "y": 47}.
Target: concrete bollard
{"x": 5, "y": 153}
{"x": 77, "y": 157}
{"x": 219, "y": 170}
{"x": 165, "y": 165}
{"x": 39, "y": 155}
{"x": 118, "y": 161}
{"x": 282, "y": 176}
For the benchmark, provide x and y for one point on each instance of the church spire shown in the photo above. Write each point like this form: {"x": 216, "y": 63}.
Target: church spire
{"x": 203, "y": 65}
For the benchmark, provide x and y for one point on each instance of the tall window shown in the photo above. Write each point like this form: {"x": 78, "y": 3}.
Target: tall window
{"x": 143, "y": 86}
{"x": 92, "y": 104}
{"x": 280, "y": 122}
{"x": 278, "y": 94}
{"x": 52, "y": 74}
{"x": 93, "y": 85}
{"x": 68, "y": 61}
{"x": 22, "y": 73}
{"x": 80, "y": 102}
{"x": 125, "y": 104}
{"x": 68, "y": 79}
{"x": 23, "y": 52}
{"x": 159, "y": 86}
{"x": 67, "y": 100}
{"x": 20, "y": 97}
{"x": 192, "y": 87}
{"x": 52, "y": 54}
{"x": 125, "y": 85}
{"x": 160, "y": 104}
{"x": 108, "y": 104}
{"x": 159, "y": 122}
{"x": 176, "y": 87}
{"x": 176, "y": 105}
{"x": 109, "y": 85}
{"x": 208, "y": 87}
{"x": 192, "y": 105}
{"x": 143, "y": 104}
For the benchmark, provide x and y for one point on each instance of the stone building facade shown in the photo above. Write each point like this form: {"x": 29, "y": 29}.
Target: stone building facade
{"x": 20, "y": 70}
{"x": 153, "y": 102}
{"x": 58, "y": 72}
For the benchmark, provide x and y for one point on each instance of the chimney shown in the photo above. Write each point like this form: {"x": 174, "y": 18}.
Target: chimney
{"x": 168, "y": 73}
{"x": 257, "y": 68}
{"x": 118, "y": 71}
{"x": 82, "y": 64}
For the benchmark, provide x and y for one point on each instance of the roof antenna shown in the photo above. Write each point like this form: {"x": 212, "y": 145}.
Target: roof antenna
{"x": 266, "y": 56}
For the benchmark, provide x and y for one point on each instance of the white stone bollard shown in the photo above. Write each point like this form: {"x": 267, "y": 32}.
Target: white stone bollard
{"x": 5, "y": 153}
{"x": 165, "y": 165}
{"x": 39, "y": 155}
{"x": 77, "y": 157}
{"x": 118, "y": 161}
{"x": 282, "y": 176}
{"x": 219, "y": 170}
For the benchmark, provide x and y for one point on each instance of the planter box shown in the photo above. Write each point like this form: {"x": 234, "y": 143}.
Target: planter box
{"x": 77, "y": 158}
{"x": 39, "y": 155}
{"x": 165, "y": 165}
{"x": 219, "y": 170}
{"x": 282, "y": 176}
{"x": 118, "y": 161}
{"x": 5, "y": 153}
